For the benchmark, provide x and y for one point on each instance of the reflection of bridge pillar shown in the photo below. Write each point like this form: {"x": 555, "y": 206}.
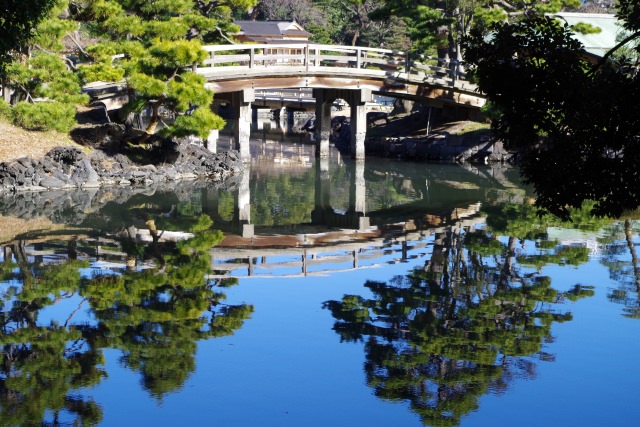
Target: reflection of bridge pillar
{"x": 323, "y": 121}
{"x": 241, "y": 102}
{"x": 322, "y": 192}
{"x": 241, "y": 222}
{"x": 244, "y": 204}
{"x": 358, "y": 196}
{"x": 244, "y": 199}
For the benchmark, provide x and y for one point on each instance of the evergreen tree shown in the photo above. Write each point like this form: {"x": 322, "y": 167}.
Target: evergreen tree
{"x": 542, "y": 87}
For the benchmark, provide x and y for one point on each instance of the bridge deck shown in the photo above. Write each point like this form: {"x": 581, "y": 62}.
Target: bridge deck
{"x": 262, "y": 66}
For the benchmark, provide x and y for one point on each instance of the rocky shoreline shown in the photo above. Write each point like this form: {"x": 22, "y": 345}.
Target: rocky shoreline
{"x": 105, "y": 157}
{"x": 109, "y": 163}
{"x": 453, "y": 142}
{"x": 441, "y": 148}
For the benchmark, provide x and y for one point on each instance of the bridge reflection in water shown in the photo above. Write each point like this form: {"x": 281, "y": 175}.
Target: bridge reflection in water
{"x": 364, "y": 229}
{"x": 290, "y": 214}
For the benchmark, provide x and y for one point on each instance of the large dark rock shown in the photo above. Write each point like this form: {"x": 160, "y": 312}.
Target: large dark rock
{"x": 110, "y": 163}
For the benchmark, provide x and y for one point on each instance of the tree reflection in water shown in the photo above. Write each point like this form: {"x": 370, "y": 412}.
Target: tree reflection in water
{"x": 622, "y": 260}
{"x": 155, "y": 316}
{"x": 466, "y": 323}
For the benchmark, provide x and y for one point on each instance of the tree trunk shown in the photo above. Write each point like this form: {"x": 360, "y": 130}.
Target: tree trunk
{"x": 354, "y": 39}
{"x": 154, "y": 121}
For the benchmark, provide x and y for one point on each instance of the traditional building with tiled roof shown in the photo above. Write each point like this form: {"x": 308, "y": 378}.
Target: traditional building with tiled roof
{"x": 271, "y": 32}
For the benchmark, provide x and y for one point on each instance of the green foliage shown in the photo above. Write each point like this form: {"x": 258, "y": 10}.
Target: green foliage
{"x": 147, "y": 86}
{"x": 150, "y": 44}
{"x": 566, "y": 255}
{"x": 482, "y": 244}
{"x": 156, "y": 317}
{"x": 18, "y": 19}
{"x": 45, "y": 76}
{"x": 628, "y": 11}
{"x": 585, "y": 28}
{"x": 535, "y": 73}
{"x": 160, "y": 42}
{"x": 188, "y": 90}
{"x": 268, "y": 209}
{"x": 199, "y": 123}
{"x": 100, "y": 71}
{"x": 50, "y": 32}
{"x": 171, "y": 55}
{"x": 44, "y": 116}
{"x": 6, "y": 113}
{"x": 42, "y": 366}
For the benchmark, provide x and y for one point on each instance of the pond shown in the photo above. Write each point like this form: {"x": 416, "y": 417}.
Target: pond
{"x": 316, "y": 293}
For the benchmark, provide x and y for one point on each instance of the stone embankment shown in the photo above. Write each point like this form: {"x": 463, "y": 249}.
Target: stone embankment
{"x": 453, "y": 142}
{"x": 441, "y": 148}
{"x": 104, "y": 165}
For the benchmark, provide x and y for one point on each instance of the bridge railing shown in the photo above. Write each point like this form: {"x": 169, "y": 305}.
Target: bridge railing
{"x": 316, "y": 57}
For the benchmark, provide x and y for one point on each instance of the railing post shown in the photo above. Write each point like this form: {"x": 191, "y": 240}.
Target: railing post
{"x": 358, "y": 59}
{"x": 251, "y": 57}
{"x": 407, "y": 64}
{"x": 306, "y": 57}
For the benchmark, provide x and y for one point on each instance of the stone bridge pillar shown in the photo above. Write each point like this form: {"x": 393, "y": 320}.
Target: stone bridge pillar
{"x": 323, "y": 120}
{"x": 357, "y": 99}
{"x": 241, "y": 103}
{"x": 357, "y": 102}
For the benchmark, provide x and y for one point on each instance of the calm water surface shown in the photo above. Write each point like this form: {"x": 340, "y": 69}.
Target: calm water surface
{"x": 310, "y": 293}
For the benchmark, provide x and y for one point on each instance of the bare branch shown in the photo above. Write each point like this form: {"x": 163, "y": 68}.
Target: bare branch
{"x": 69, "y": 62}
{"x": 224, "y": 36}
{"x": 77, "y": 43}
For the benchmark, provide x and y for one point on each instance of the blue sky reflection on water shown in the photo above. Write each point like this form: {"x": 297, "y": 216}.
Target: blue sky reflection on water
{"x": 286, "y": 367}
{"x": 593, "y": 380}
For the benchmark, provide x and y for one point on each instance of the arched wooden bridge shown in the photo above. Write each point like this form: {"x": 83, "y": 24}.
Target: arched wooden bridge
{"x": 354, "y": 74}
{"x": 231, "y": 68}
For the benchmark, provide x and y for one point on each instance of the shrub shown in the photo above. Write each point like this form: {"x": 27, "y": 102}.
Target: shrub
{"x": 44, "y": 116}
{"x": 5, "y": 111}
